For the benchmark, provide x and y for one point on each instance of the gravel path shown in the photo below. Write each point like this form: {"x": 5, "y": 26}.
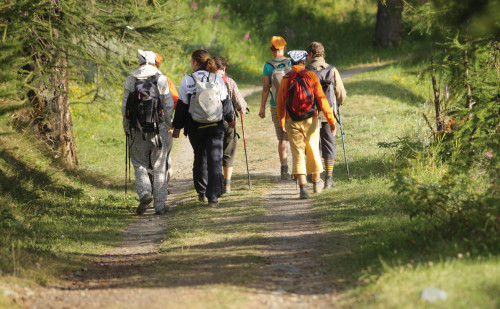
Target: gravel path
{"x": 290, "y": 276}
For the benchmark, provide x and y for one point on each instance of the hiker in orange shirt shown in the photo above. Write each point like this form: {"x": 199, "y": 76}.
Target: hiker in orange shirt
{"x": 300, "y": 98}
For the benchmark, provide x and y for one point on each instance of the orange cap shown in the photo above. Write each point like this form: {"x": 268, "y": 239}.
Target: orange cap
{"x": 158, "y": 58}
{"x": 278, "y": 42}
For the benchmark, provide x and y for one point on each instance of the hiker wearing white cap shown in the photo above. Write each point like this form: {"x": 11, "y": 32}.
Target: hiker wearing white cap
{"x": 300, "y": 98}
{"x": 274, "y": 71}
{"x": 147, "y": 108}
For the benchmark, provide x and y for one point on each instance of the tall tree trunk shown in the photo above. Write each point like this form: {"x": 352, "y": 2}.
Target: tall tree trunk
{"x": 51, "y": 109}
{"x": 388, "y": 28}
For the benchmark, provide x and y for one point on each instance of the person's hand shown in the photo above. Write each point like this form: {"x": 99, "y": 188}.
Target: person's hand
{"x": 175, "y": 133}
{"x": 333, "y": 129}
{"x": 232, "y": 124}
{"x": 284, "y": 129}
{"x": 262, "y": 113}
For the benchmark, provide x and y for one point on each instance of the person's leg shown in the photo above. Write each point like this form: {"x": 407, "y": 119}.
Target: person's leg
{"x": 297, "y": 147}
{"x": 139, "y": 156}
{"x": 199, "y": 163}
{"x": 159, "y": 160}
{"x": 214, "y": 143}
{"x": 314, "y": 166}
{"x": 229, "y": 151}
{"x": 328, "y": 153}
{"x": 282, "y": 144}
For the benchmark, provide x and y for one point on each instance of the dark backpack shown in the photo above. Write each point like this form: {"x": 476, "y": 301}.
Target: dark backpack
{"x": 327, "y": 80}
{"x": 145, "y": 110}
{"x": 299, "y": 97}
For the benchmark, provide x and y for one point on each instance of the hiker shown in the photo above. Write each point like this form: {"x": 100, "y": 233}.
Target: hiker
{"x": 230, "y": 135}
{"x": 274, "y": 71}
{"x": 335, "y": 93}
{"x": 299, "y": 97}
{"x": 202, "y": 108}
{"x": 147, "y": 108}
{"x": 175, "y": 97}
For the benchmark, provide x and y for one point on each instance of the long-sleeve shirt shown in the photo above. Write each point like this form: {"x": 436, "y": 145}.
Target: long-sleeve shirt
{"x": 183, "y": 119}
{"x": 234, "y": 93}
{"x": 317, "y": 91}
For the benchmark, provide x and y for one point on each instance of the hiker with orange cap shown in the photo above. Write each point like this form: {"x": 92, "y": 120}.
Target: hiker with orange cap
{"x": 274, "y": 71}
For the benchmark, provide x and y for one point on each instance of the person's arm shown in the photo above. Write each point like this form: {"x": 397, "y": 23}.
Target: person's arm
{"x": 236, "y": 97}
{"x": 181, "y": 110}
{"x": 340, "y": 93}
{"x": 173, "y": 90}
{"x": 127, "y": 89}
{"x": 266, "y": 88}
{"x": 167, "y": 99}
{"x": 280, "y": 102}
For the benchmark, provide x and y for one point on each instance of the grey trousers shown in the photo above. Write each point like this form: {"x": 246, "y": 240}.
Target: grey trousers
{"x": 146, "y": 152}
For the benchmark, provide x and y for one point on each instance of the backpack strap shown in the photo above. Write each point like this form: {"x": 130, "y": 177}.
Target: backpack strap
{"x": 275, "y": 64}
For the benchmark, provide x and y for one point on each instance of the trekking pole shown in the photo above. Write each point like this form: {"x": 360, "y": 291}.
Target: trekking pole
{"x": 339, "y": 120}
{"x": 245, "y": 146}
{"x": 126, "y": 160}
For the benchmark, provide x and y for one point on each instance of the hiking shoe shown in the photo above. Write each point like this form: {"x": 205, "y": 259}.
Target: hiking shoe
{"x": 329, "y": 182}
{"x": 163, "y": 211}
{"x": 145, "y": 202}
{"x": 318, "y": 186}
{"x": 284, "y": 172}
{"x": 304, "y": 191}
{"x": 201, "y": 197}
{"x": 213, "y": 204}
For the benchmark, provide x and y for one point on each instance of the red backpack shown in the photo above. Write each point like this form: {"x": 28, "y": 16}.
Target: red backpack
{"x": 299, "y": 97}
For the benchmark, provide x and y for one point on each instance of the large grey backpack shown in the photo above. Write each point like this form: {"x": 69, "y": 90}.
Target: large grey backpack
{"x": 327, "y": 80}
{"x": 280, "y": 69}
{"x": 205, "y": 105}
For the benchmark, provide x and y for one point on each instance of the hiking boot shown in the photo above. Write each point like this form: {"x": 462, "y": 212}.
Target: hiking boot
{"x": 145, "y": 202}
{"x": 226, "y": 188}
{"x": 163, "y": 211}
{"x": 201, "y": 197}
{"x": 329, "y": 182}
{"x": 284, "y": 172}
{"x": 318, "y": 186}
{"x": 213, "y": 204}
{"x": 304, "y": 191}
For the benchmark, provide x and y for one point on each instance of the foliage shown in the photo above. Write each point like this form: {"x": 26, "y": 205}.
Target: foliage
{"x": 457, "y": 192}
{"x": 92, "y": 34}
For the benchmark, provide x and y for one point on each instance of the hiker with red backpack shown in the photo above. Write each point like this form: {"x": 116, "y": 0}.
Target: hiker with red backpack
{"x": 335, "y": 93}
{"x": 274, "y": 71}
{"x": 147, "y": 108}
{"x": 300, "y": 98}
{"x": 202, "y": 108}
{"x": 230, "y": 135}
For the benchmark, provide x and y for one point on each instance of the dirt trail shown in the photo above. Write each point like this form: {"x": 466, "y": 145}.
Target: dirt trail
{"x": 289, "y": 278}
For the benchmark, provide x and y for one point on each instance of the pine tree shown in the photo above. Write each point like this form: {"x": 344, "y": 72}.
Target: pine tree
{"x": 43, "y": 40}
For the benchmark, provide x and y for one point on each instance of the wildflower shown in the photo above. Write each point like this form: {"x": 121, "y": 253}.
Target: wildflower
{"x": 194, "y": 6}
{"x": 489, "y": 154}
{"x": 217, "y": 15}
{"x": 247, "y": 35}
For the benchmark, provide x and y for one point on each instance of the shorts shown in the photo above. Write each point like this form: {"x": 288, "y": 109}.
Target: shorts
{"x": 229, "y": 148}
{"x": 280, "y": 134}
{"x": 327, "y": 142}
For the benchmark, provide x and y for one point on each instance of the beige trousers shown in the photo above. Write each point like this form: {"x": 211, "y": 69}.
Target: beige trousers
{"x": 303, "y": 137}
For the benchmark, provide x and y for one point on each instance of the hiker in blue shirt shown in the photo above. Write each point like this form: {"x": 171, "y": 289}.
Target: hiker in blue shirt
{"x": 274, "y": 71}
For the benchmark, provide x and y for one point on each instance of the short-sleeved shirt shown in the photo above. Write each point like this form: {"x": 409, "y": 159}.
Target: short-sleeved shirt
{"x": 268, "y": 71}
